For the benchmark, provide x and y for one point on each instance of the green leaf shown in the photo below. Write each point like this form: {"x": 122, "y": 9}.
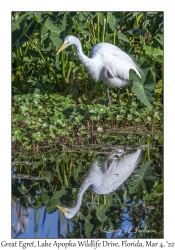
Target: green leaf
{"x": 77, "y": 171}
{"x": 144, "y": 87}
{"x": 131, "y": 15}
{"x": 54, "y": 32}
{"x": 108, "y": 38}
{"x": 17, "y": 22}
{"x": 47, "y": 174}
{"x": 55, "y": 200}
{"x": 88, "y": 226}
{"x": 63, "y": 23}
{"x": 112, "y": 21}
{"x": 140, "y": 176}
{"x": 122, "y": 37}
{"x": 80, "y": 26}
{"x": 159, "y": 40}
{"x": 33, "y": 53}
{"x": 22, "y": 29}
{"x": 139, "y": 31}
{"x": 51, "y": 209}
{"x": 152, "y": 196}
{"x": 155, "y": 53}
{"x": 37, "y": 203}
{"x": 45, "y": 197}
{"x": 38, "y": 16}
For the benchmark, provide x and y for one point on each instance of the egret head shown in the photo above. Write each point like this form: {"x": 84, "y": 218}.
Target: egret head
{"x": 68, "y": 40}
{"x": 69, "y": 213}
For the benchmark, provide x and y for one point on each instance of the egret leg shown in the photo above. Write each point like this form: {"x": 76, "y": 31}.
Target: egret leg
{"x": 108, "y": 95}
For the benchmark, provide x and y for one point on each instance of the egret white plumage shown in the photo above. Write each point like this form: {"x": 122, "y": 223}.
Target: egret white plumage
{"x": 105, "y": 178}
{"x": 106, "y": 63}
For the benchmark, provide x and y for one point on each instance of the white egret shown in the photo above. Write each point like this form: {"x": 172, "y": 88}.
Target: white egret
{"x": 107, "y": 63}
{"x": 105, "y": 178}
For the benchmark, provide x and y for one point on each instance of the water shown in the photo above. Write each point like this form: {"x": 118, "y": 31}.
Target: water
{"x": 47, "y": 178}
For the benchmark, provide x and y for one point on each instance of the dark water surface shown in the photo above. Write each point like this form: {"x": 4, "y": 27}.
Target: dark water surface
{"x": 122, "y": 186}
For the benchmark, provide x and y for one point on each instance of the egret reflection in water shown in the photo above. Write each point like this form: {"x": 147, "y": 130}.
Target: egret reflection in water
{"x": 105, "y": 177}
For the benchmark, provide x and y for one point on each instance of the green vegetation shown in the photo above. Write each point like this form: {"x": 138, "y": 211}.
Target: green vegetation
{"x": 55, "y": 97}
{"x": 41, "y": 120}
{"x": 60, "y": 121}
{"x": 44, "y": 179}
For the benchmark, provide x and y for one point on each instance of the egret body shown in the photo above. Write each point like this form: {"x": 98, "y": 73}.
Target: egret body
{"x": 106, "y": 63}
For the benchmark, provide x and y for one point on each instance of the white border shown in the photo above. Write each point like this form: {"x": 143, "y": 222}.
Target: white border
{"x": 5, "y": 93}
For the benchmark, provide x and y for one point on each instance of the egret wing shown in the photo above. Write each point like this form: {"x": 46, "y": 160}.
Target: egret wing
{"x": 119, "y": 170}
{"x": 115, "y": 61}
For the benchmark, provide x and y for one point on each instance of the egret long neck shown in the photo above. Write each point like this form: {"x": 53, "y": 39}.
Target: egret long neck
{"x": 80, "y": 194}
{"x": 83, "y": 58}
{"x": 90, "y": 63}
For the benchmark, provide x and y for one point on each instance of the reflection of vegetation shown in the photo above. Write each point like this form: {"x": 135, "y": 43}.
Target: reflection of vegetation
{"x": 64, "y": 175}
{"x": 22, "y": 218}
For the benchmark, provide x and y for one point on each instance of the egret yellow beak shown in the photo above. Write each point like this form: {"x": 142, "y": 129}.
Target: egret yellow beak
{"x": 62, "y": 209}
{"x": 62, "y": 47}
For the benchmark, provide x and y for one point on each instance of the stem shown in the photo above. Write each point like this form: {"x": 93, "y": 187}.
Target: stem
{"x": 63, "y": 70}
{"x": 148, "y": 154}
{"x": 107, "y": 23}
{"x": 94, "y": 38}
{"x": 40, "y": 172}
{"x": 104, "y": 196}
{"x": 98, "y": 26}
{"x": 56, "y": 78}
{"x": 103, "y": 34}
{"x": 114, "y": 42}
